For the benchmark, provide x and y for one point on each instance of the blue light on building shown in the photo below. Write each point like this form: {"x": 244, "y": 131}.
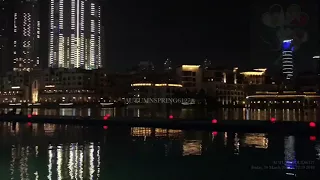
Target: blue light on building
{"x": 287, "y": 59}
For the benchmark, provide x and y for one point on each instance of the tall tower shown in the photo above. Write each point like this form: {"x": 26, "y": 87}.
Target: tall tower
{"x": 75, "y": 34}
{"x": 287, "y": 60}
{"x": 6, "y": 20}
{"x": 26, "y": 35}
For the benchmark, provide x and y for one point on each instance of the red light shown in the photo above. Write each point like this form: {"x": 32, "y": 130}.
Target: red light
{"x": 170, "y": 117}
{"x": 214, "y": 133}
{"x": 312, "y": 124}
{"x": 105, "y": 127}
{"x": 313, "y": 138}
{"x": 29, "y": 123}
{"x": 108, "y": 115}
{"x": 105, "y": 117}
{"x": 214, "y": 121}
{"x": 29, "y": 116}
{"x": 273, "y": 120}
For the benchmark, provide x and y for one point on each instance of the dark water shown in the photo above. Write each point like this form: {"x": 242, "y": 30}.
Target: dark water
{"x": 35, "y": 151}
{"x": 231, "y": 113}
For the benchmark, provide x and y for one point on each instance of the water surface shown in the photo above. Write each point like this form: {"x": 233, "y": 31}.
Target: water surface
{"x": 47, "y": 151}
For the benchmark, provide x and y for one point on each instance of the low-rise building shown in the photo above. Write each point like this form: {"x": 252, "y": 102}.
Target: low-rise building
{"x": 223, "y": 84}
{"x": 67, "y": 86}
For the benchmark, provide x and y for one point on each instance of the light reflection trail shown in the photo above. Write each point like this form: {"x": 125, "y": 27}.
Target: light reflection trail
{"x": 80, "y": 163}
{"x": 91, "y": 158}
{"x": 76, "y": 165}
{"x": 71, "y": 164}
{"x": 59, "y": 161}
{"x": 50, "y": 162}
{"x": 13, "y": 159}
{"x": 98, "y": 155}
{"x": 289, "y": 153}
{"x": 317, "y": 147}
{"x": 36, "y": 175}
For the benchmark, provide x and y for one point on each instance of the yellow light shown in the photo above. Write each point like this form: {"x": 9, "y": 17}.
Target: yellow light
{"x": 281, "y": 96}
{"x": 141, "y": 84}
{"x": 175, "y": 85}
{"x": 309, "y": 92}
{"x": 261, "y": 69}
{"x": 235, "y": 69}
{"x": 160, "y": 84}
{"x": 252, "y": 73}
{"x": 50, "y": 86}
{"x": 190, "y": 67}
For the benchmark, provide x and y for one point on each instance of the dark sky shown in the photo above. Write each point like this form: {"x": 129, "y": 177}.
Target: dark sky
{"x": 185, "y": 31}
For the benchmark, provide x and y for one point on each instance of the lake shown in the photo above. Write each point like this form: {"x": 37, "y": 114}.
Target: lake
{"x": 48, "y": 151}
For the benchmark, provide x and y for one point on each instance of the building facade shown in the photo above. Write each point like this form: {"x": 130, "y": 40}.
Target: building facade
{"x": 75, "y": 34}
{"x": 223, "y": 84}
{"x": 26, "y": 36}
{"x": 190, "y": 76}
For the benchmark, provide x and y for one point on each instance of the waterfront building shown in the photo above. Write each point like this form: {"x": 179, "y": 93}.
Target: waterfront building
{"x": 223, "y": 84}
{"x": 75, "y": 34}
{"x": 152, "y": 90}
{"x": 257, "y": 76}
{"x": 284, "y": 99}
{"x": 63, "y": 85}
{"x": 190, "y": 76}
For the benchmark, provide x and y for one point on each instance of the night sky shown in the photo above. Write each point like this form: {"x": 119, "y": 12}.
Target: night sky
{"x": 188, "y": 32}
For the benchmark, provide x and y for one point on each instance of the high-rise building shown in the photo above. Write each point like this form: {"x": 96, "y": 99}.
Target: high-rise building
{"x": 316, "y": 58}
{"x": 206, "y": 64}
{"x": 75, "y": 34}
{"x": 287, "y": 59}
{"x": 167, "y": 65}
{"x": 6, "y": 20}
{"x": 26, "y": 36}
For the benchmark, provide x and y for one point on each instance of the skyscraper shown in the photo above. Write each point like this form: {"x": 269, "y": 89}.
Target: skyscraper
{"x": 26, "y": 35}
{"x": 287, "y": 59}
{"x": 75, "y": 34}
{"x": 6, "y": 20}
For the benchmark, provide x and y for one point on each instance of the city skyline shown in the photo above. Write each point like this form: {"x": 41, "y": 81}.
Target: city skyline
{"x": 137, "y": 32}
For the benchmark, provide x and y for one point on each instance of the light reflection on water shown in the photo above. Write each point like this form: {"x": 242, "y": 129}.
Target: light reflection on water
{"x": 72, "y": 152}
{"x": 225, "y": 113}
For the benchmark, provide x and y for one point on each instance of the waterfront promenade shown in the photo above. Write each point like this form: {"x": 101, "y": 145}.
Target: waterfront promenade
{"x": 210, "y": 124}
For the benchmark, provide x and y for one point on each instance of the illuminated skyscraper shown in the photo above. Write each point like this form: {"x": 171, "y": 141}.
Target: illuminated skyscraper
{"x": 6, "y": 26}
{"x": 75, "y": 34}
{"x": 26, "y": 35}
{"x": 287, "y": 59}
